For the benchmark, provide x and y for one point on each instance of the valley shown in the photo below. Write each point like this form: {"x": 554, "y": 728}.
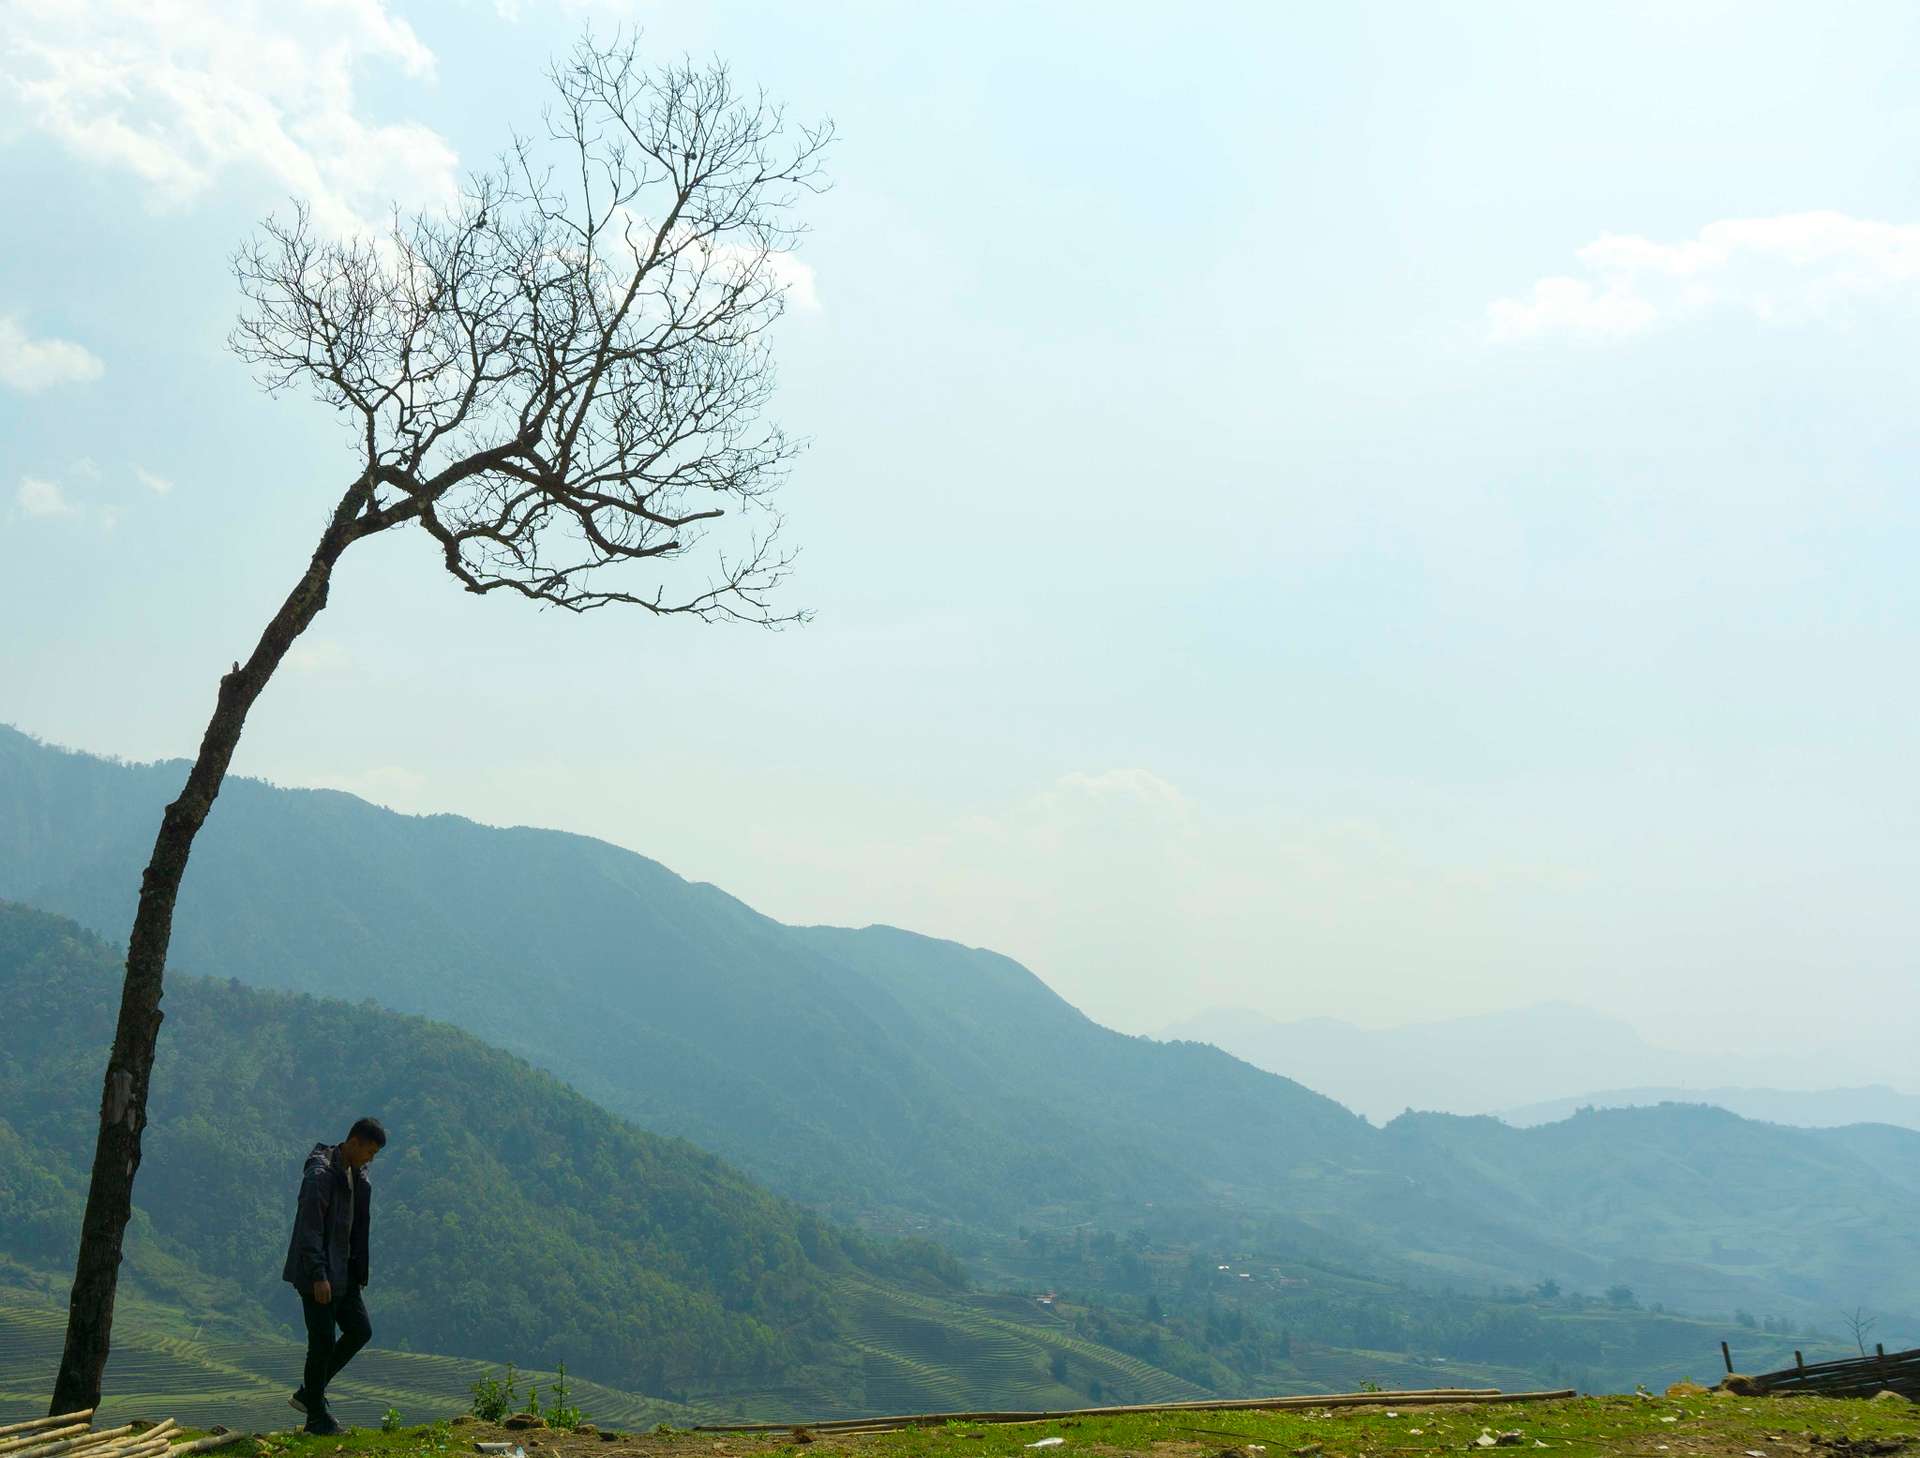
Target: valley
{"x": 915, "y": 1142}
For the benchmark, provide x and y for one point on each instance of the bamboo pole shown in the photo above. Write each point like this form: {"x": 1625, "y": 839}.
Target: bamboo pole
{"x": 42, "y": 1438}
{"x": 112, "y": 1441}
{"x": 136, "y": 1444}
{"x": 1204, "y": 1404}
{"x": 71, "y": 1445}
{"x": 205, "y": 1445}
{"x": 34, "y": 1424}
{"x": 153, "y": 1440}
{"x": 146, "y": 1435}
{"x": 1426, "y": 1397}
{"x": 68, "y": 1445}
{"x": 135, "y": 1448}
{"x": 1209, "y": 1404}
{"x": 156, "y": 1430}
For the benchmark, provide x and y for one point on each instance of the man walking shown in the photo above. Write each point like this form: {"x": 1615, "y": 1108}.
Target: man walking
{"x": 327, "y": 1262}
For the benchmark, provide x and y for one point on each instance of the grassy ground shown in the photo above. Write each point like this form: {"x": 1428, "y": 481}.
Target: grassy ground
{"x": 1591, "y": 1427}
{"x": 158, "y": 1372}
{"x": 984, "y": 1351}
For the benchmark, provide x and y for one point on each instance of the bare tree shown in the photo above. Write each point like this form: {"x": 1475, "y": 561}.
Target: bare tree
{"x": 1861, "y": 1325}
{"x": 560, "y": 380}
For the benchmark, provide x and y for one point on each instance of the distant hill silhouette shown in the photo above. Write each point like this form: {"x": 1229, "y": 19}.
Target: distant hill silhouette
{"x": 1825, "y": 1108}
{"x": 880, "y": 1074}
{"x": 1489, "y": 1063}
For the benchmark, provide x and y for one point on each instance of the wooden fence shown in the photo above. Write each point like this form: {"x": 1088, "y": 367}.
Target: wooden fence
{"x": 1884, "y": 1371}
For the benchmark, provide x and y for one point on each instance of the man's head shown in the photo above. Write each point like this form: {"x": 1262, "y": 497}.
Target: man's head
{"x": 365, "y": 1139}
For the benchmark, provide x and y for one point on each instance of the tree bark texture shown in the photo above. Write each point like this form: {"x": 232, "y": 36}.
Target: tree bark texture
{"x": 123, "y": 1098}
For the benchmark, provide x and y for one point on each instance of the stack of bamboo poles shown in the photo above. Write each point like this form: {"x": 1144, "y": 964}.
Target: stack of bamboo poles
{"x": 72, "y": 1435}
{"x": 1422, "y": 1397}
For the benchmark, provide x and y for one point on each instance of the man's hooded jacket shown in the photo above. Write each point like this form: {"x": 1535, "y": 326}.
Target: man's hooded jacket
{"x": 330, "y": 1228}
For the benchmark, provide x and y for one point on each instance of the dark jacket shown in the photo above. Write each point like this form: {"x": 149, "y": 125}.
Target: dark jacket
{"x": 329, "y": 1237}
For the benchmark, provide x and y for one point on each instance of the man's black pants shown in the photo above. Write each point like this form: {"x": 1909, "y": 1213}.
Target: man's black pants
{"x": 326, "y": 1352}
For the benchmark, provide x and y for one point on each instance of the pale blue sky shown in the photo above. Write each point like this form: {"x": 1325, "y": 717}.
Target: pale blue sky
{"x": 1236, "y": 581}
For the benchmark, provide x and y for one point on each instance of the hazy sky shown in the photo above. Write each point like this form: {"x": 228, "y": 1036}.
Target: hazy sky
{"x": 1372, "y": 510}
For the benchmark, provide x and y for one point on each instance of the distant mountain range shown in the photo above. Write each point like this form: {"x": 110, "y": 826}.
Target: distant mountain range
{"x": 1528, "y": 1065}
{"x": 910, "y": 1083}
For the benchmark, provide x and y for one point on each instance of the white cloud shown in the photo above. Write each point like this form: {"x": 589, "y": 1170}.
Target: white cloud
{"x": 1140, "y": 785}
{"x": 39, "y": 497}
{"x": 797, "y": 279}
{"x": 179, "y": 91}
{"x": 158, "y": 485}
{"x": 1571, "y": 306}
{"x": 782, "y": 268}
{"x": 319, "y": 655}
{"x": 514, "y": 11}
{"x": 29, "y": 364}
{"x": 1792, "y": 268}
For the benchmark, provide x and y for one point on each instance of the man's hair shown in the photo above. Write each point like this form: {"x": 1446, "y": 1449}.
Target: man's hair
{"x": 371, "y": 1130}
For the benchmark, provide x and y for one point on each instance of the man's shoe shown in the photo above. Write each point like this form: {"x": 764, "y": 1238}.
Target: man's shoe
{"x": 299, "y": 1399}
{"x": 322, "y": 1425}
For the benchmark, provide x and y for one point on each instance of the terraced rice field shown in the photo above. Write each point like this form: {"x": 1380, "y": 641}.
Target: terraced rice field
{"x": 947, "y": 1354}
{"x": 1334, "y": 1369}
{"x": 922, "y": 1354}
{"x": 245, "y": 1385}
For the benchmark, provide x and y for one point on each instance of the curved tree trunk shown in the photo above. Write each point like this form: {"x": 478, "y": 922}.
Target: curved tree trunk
{"x": 123, "y": 1099}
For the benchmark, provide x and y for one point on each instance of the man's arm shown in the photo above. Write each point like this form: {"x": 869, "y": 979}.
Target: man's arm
{"x": 358, "y": 1260}
{"x": 310, "y": 1234}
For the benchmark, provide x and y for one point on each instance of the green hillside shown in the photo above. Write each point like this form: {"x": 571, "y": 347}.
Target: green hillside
{"x": 904, "y": 1353}
{"x": 921, "y": 1087}
{"x": 1701, "y": 1206}
{"x": 516, "y": 1220}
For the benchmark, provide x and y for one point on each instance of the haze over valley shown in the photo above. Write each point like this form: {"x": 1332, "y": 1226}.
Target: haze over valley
{"x": 916, "y": 1088}
{"x": 1532, "y": 1064}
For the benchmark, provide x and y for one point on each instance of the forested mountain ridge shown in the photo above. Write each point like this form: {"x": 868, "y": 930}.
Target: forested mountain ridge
{"x": 515, "y": 1215}
{"x": 853, "y": 1069}
{"x": 893, "y": 1077}
{"x": 1673, "y": 1189}
{"x": 515, "y": 1219}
